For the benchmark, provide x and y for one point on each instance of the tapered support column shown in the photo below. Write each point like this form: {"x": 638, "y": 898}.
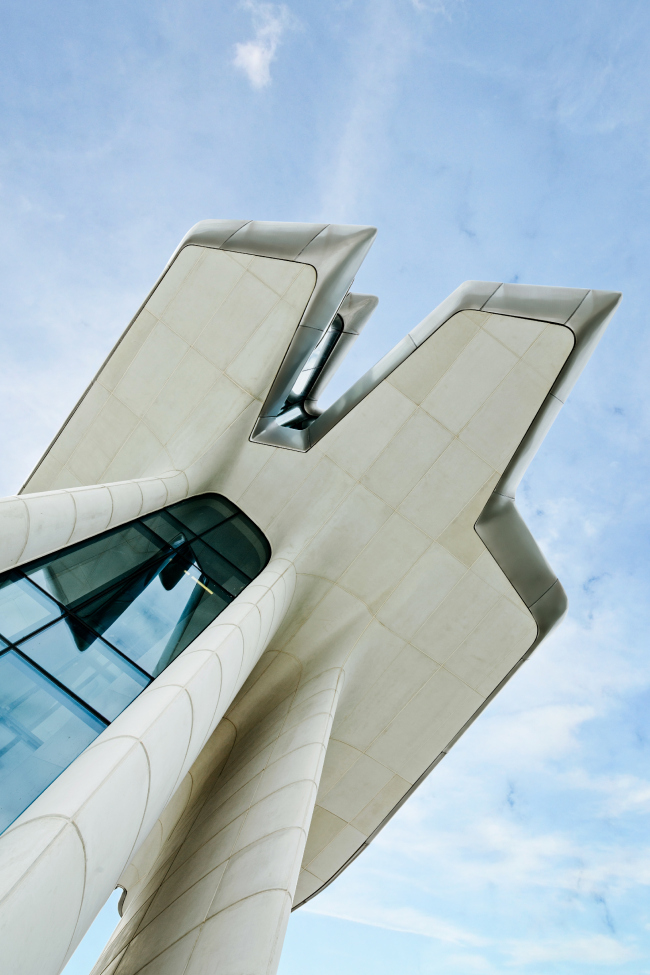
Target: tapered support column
{"x": 223, "y": 902}
{"x": 34, "y": 525}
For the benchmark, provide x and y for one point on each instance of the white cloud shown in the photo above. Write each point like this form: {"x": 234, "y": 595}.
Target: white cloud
{"x": 436, "y": 6}
{"x": 621, "y": 793}
{"x": 357, "y": 140}
{"x": 586, "y": 948}
{"x": 597, "y": 949}
{"x": 471, "y": 965}
{"x": 407, "y": 920}
{"x": 270, "y": 22}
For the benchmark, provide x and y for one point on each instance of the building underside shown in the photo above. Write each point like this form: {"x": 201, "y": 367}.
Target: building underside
{"x": 267, "y": 622}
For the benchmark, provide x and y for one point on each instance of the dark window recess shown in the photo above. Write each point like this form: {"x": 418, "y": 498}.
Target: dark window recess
{"x": 85, "y": 630}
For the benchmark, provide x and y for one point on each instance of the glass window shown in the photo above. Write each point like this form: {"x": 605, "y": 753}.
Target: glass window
{"x": 224, "y": 573}
{"x": 167, "y": 528}
{"x": 42, "y": 730}
{"x": 83, "y": 631}
{"x": 147, "y": 618}
{"x": 242, "y": 543}
{"x": 23, "y": 607}
{"x": 86, "y": 665}
{"x": 201, "y": 514}
{"x": 92, "y": 566}
{"x": 210, "y": 604}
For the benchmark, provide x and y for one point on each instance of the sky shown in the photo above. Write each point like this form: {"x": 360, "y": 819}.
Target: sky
{"x": 501, "y": 140}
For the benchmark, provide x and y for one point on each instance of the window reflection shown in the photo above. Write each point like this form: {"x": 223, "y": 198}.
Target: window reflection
{"x": 23, "y": 608}
{"x": 151, "y": 616}
{"x": 87, "y": 666}
{"x": 42, "y": 729}
{"x": 83, "y": 631}
{"x": 202, "y": 514}
{"x": 240, "y": 535}
{"x": 97, "y": 564}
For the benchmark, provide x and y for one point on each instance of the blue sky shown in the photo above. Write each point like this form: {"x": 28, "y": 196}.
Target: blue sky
{"x": 500, "y": 140}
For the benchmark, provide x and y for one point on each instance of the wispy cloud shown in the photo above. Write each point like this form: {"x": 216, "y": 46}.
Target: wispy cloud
{"x": 558, "y": 838}
{"x": 593, "y": 950}
{"x": 270, "y": 22}
{"x": 620, "y": 793}
{"x": 406, "y": 920}
{"x": 357, "y": 141}
{"x": 596, "y": 949}
{"x": 436, "y": 6}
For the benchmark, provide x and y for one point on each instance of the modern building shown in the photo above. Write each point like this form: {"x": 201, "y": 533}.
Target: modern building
{"x": 237, "y": 631}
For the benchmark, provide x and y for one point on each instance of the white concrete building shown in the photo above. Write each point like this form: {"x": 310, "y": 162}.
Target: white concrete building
{"x": 235, "y": 632}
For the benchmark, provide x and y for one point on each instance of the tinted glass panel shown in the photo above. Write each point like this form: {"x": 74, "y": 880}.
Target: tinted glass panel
{"x": 201, "y": 514}
{"x": 224, "y": 573}
{"x": 204, "y": 613}
{"x": 87, "y": 666}
{"x": 241, "y": 543}
{"x": 167, "y": 528}
{"x": 147, "y": 618}
{"x": 87, "y": 568}
{"x": 23, "y": 607}
{"x": 41, "y": 731}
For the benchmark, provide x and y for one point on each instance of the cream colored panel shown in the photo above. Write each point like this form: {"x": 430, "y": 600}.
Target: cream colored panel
{"x": 335, "y": 854}
{"x": 476, "y": 372}
{"x": 381, "y": 805}
{"x": 456, "y": 617}
{"x": 354, "y": 523}
{"x": 517, "y": 334}
{"x": 363, "y": 434}
{"x": 312, "y": 505}
{"x": 386, "y": 697}
{"x": 503, "y": 630}
{"x": 211, "y": 280}
{"x": 356, "y": 788}
{"x": 382, "y": 565}
{"x": 417, "y": 376}
{"x": 407, "y": 457}
{"x": 548, "y": 353}
{"x": 445, "y": 489}
{"x": 404, "y": 703}
{"x": 323, "y": 828}
{"x": 248, "y": 305}
{"x": 206, "y": 346}
{"x": 426, "y": 725}
{"x": 495, "y": 431}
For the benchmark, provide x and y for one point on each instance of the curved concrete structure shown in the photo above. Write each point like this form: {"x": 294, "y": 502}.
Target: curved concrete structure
{"x": 403, "y": 591}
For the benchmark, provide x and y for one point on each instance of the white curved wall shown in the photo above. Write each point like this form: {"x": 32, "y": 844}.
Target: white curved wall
{"x": 34, "y": 525}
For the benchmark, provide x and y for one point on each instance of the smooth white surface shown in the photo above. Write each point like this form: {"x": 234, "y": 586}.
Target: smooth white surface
{"x": 206, "y": 346}
{"x": 372, "y": 533}
{"x": 33, "y": 525}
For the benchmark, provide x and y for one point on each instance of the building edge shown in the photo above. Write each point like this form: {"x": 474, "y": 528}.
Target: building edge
{"x": 500, "y": 525}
